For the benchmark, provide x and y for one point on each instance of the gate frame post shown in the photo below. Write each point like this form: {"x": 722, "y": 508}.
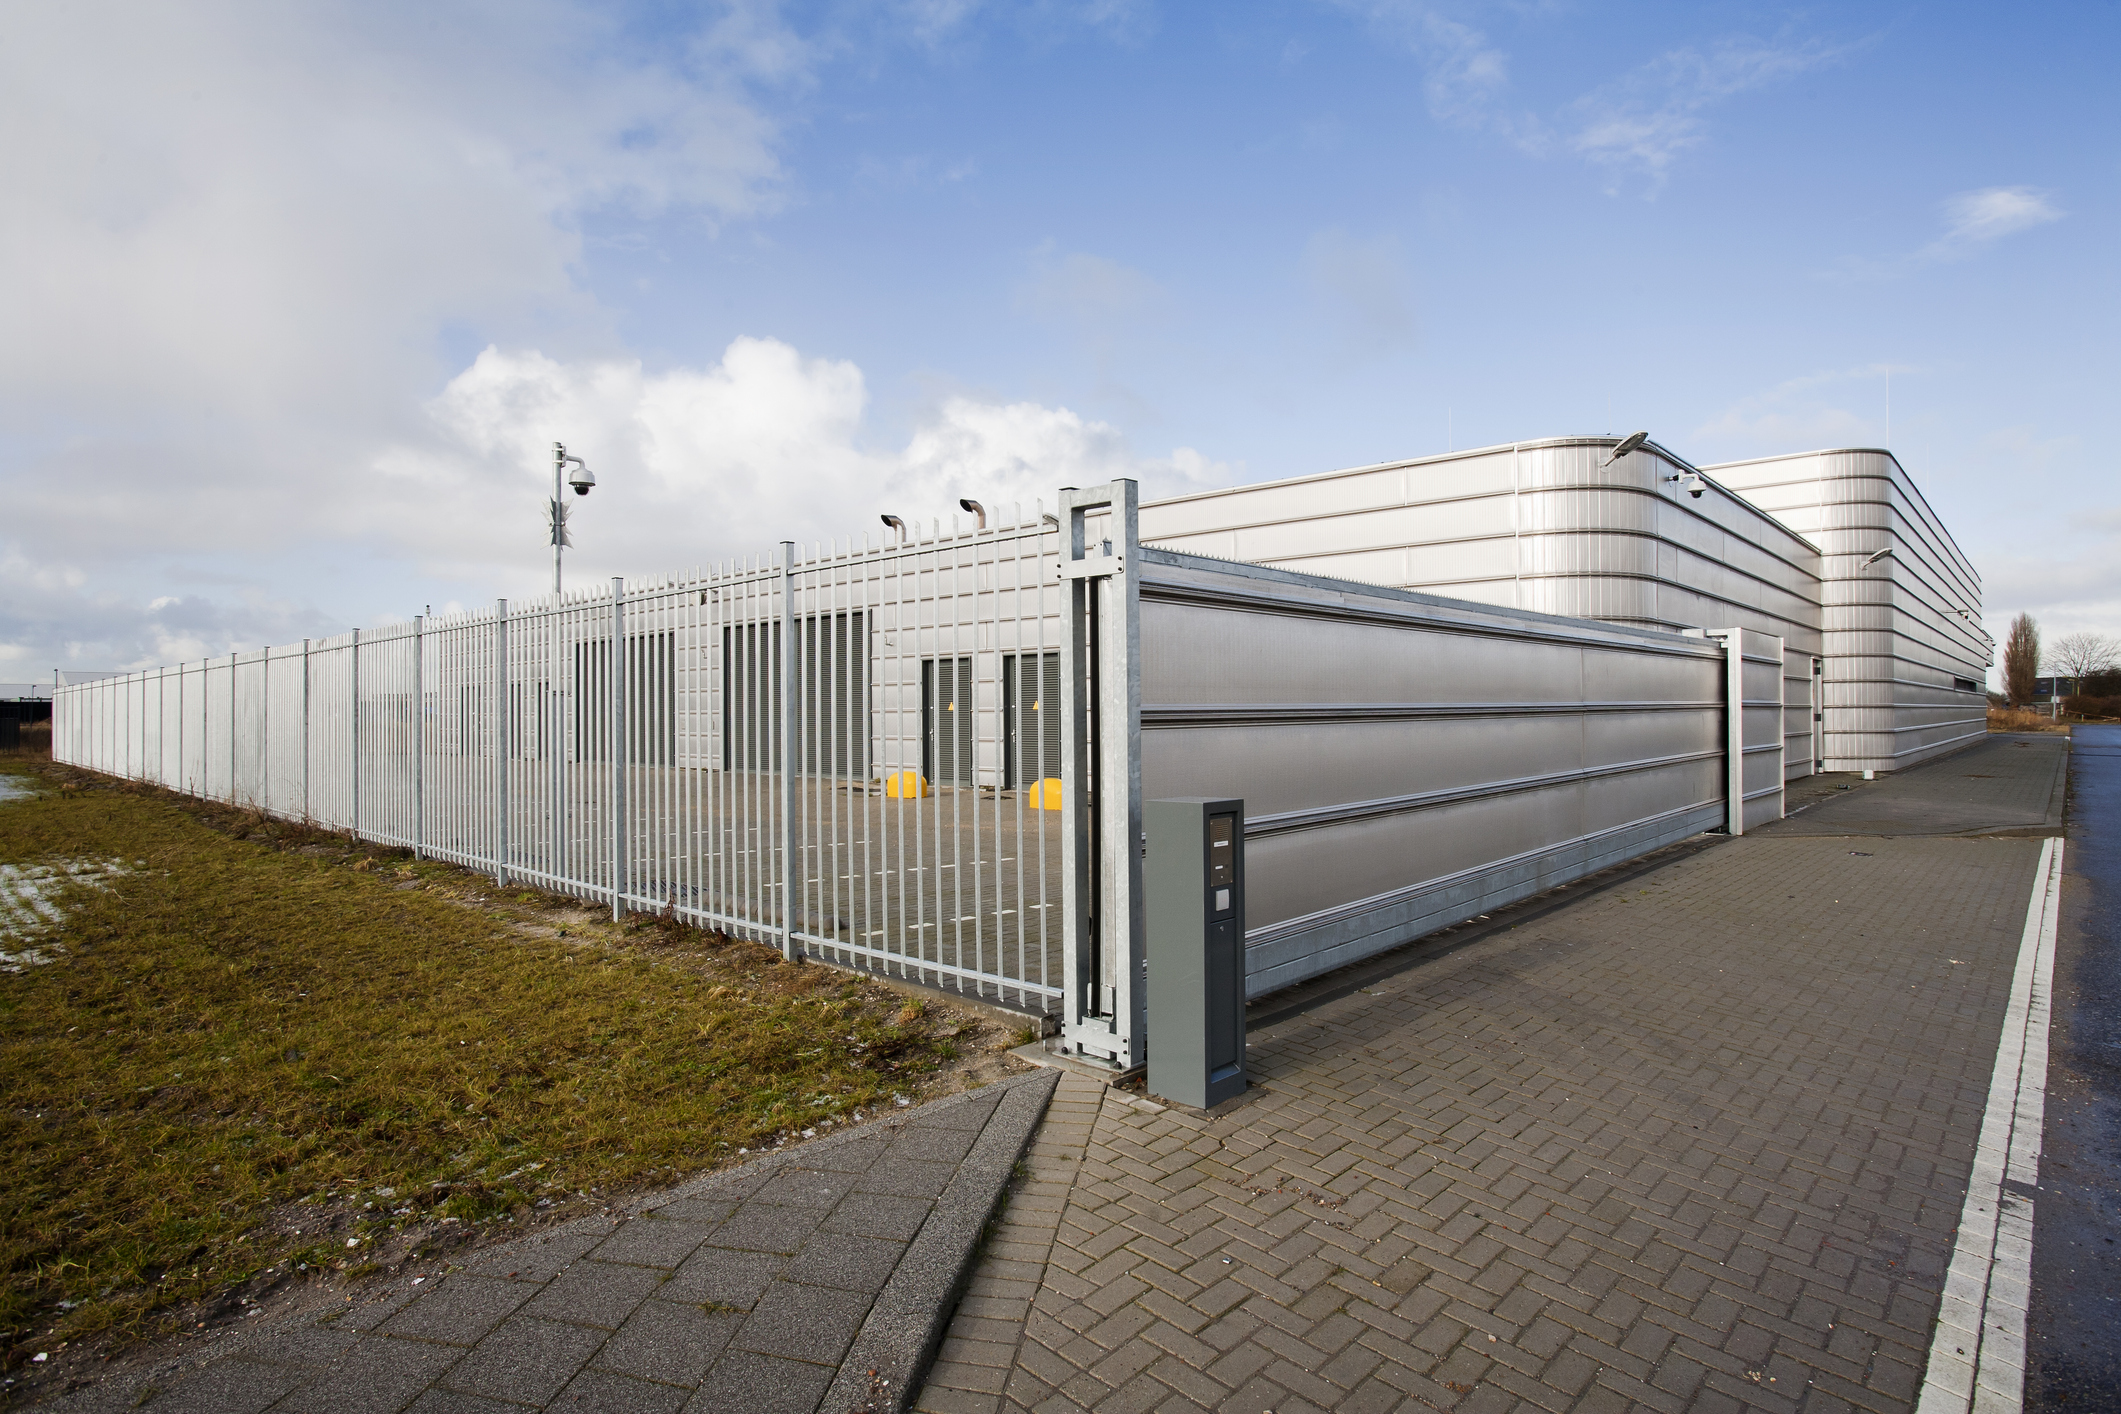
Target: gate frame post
{"x": 786, "y": 730}
{"x": 1104, "y": 1016}
{"x": 500, "y": 739}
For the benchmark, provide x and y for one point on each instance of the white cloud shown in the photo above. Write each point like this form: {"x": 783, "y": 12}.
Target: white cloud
{"x": 1841, "y": 407}
{"x": 1465, "y": 79}
{"x": 1974, "y": 220}
{"x": 694, "y": 464}
{"x": 1648, "y": 120}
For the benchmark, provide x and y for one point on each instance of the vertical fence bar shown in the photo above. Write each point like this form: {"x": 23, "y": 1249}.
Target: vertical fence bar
{"x": 353, "y": 732}
{"x": 500, "y": 742}
{"x": 419, "y": 736}
{"x": 787, "y": 729}
{"x": 615, "y": 748}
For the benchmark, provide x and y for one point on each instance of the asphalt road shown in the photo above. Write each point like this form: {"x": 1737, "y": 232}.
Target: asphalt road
{"x": 2073, "y": 1329}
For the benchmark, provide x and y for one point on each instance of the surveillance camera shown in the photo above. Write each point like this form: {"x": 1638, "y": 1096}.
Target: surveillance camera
{"x": 1695, "y": 490}
{"x": 582, "y": 479}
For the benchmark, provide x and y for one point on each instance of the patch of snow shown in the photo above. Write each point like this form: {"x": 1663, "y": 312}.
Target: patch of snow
{"x": 29, "y": 910}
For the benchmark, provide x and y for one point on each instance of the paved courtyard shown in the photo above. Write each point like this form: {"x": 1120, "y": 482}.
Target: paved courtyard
{"x": 1696, "y": 1138}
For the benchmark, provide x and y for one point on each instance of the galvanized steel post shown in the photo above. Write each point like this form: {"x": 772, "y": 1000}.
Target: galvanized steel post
{"x": 353, "y": 734}
{"x": 306, "y": 815}
{"x": 231, "y": 728}
{"x": 786, "y": 729}
{"x": 615, "y": 739}
{"x": 501, "y": 743}
{"x": 1101, "y": 842}
{"x": 419, "y": 735}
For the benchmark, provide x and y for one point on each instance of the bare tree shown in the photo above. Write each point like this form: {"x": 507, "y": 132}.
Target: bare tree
{"x": 2021, "y": 659}
{"x": 2078, "y": 655}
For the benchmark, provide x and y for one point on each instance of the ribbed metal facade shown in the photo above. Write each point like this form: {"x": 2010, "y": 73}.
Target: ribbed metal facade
{"x": 1542, "y": 526}
{"x": 1906, "y": 657}
{"x": 1533, "y": 525}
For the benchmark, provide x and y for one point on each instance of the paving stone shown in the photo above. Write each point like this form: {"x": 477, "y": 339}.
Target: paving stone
{"x": 609, "y": 1393}
{"x": 539, "y": 1258}
{"x": 1714, "y": 1118}
{"x": 766, "y": 1227}
{"x": 670, "y": 1341}
{"x": 595, "y": 1293}
{"x": 459, "y": 1310}
{"x": 653, "y": 1241}
{"x": 231, "y": 1386}
{"x": 747, "y": 1383}
{"x": 524, "y": 1360}
{"x": 907, "y": 1178}
{"x": 803, "y": 1322}
{"x": 879, "y": 1215}
{"x": 851, "y": 1263}
{"x": 807, "y": 1187}
{"x": 380, "y": 1374}
{"x": 718, "y": 1277}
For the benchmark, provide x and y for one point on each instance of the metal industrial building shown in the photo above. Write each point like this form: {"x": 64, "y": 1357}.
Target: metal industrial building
{"x": 1438, "y": 686}
{"x": 1834, "y": 552}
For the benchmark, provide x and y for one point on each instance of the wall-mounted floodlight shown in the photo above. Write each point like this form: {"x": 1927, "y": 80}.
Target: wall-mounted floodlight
{"x": 1632, "y": 442}
{"x": 896, "y": 524}
{"x": 1875, "y": 557}
{"x": 977, "y": 509}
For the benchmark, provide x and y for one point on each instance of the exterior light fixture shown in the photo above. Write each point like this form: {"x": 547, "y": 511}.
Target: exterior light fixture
{"x": 1632, "y": 442}
{"x": 1874, "y": 557}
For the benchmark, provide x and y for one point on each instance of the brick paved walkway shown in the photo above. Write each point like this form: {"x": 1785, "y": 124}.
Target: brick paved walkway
{"x": 768, "y": 1289}
{"x": 1697, "y": 1141}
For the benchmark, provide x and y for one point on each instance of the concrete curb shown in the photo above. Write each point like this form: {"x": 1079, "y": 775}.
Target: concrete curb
{"x": 905, "y": 1326}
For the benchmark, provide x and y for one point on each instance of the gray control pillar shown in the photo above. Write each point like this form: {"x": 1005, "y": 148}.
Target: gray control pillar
{"x": 1194, "y": 882}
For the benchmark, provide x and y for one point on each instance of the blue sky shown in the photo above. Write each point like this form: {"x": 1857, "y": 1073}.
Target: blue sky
{"x": 300, "y": 295}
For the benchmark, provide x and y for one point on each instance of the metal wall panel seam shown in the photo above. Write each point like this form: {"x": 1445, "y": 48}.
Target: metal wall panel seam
{"x": 1165, "y": 715}
{"x": 1318, "y": 817}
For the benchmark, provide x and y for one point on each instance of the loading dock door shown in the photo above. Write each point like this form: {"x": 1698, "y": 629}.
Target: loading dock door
{"x": 949, "y": 723}
{"x": 1031, "y": 719}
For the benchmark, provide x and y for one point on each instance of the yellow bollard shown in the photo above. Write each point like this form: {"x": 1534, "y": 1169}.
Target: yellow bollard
{"x": 905, "y": 785}
{"x": 1045, "y": 794}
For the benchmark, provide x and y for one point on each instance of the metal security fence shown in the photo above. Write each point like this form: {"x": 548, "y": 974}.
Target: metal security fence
{"x": 853, "y": 753}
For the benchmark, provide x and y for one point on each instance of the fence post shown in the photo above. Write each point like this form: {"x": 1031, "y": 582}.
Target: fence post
{"x": 419, "y": 735}
{"x": 306, "y": 816}
{"x": 354, "y": 733}
{"x": 265, "y": 729}
{"x": 616, "y": 739}
{"x": 231, "y": 728}
{"x": 500, "y": 741}
{"x": 786, "y": 728}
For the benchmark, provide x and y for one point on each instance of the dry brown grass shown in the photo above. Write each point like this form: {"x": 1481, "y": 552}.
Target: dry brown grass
{"x": 35, "y": 743}
{"x": 2019, "y": 719}
{"x": 262, "y": 1036}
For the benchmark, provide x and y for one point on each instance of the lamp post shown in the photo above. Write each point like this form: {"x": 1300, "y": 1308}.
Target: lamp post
{"x": 556, "y": 510}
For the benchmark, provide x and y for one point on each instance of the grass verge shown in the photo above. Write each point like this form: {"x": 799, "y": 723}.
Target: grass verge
{"x": 263, "y": 1050}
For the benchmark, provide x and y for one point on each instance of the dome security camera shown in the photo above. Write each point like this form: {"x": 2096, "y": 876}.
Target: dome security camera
{"x": 582, "y": 479}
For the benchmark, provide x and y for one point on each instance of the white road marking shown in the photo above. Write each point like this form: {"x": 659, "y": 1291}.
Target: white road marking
{"x": 1977, "y": 1360}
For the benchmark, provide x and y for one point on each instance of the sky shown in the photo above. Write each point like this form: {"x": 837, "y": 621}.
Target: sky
{"x": 299, "y": 297}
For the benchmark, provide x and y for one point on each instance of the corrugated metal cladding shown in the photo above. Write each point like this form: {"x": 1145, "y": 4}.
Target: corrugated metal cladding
{"x": 1407, "y": 761}
{"x": 1534, "y": 525}
{"x": 1906, "y": 658}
